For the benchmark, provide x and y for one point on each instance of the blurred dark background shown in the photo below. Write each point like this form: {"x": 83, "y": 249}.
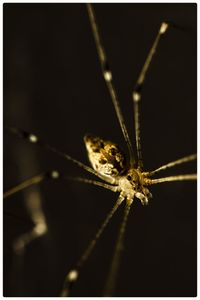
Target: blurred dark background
{"x": 53, "y": 87}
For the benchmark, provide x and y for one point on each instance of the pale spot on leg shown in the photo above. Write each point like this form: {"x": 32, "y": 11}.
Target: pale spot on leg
{"x": 55, "y": 174}
{"x": 107, "y": 75}
{"x": 136, "y": 97}
{"x": 72, "y": 275}
{"x": 33, "y": 138}
{"x": 163, "y": 27}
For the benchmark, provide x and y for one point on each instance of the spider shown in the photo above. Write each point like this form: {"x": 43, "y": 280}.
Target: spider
{"x": 108, "y": 158}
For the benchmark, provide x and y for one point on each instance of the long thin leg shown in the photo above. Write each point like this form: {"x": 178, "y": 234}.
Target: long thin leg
{"x": 174, "y": 163}
{"x": 107, "y": 74}
{"x": 174, "y": 178}
{"x": 54, "y": 175}
{"x": 73, "y": 274}
{"x": 94, "y": 182}
{"x": 31, "y": 181}
{"x": 33, "y": 205}
{"x": 137, "y": 93}
{"x": 35, "y": 140}
{"x": 112, "y": 276}
{"x": 23, "y": 185}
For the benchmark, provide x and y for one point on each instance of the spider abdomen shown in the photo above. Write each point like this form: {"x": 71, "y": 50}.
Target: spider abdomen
{"x": 105, "y": 157}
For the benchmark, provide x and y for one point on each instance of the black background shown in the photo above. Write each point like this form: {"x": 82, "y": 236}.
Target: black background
{"x": 53, "y": 87}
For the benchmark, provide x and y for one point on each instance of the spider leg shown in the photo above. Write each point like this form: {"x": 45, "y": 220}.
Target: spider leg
{"x": 174, "y": 178}
{"x": 173, "y": 163}
{"x": 54, "y": 175}
{"x": 31, "y": 138}
{"x": 94, "y": 182}
{"x": 73, "y": 274}
{"x": 115, "y": 264}
{"x": 31, "y": 181}
{"x": 33, "y": 205}
{"x": 107, "y": 74}
{"x": 137, "y": 92}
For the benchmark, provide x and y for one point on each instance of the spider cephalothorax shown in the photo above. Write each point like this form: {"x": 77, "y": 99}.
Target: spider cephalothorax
{"x": 133, "y": 184}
